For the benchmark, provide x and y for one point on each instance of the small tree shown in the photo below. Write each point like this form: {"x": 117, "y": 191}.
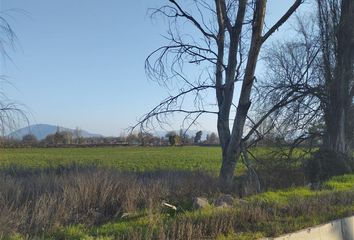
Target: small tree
{"x": 198, "y": 137}
{"x": 77, "y": 136}
{"x": 29, "y": 140}
{"x": 132, "y": 139}
{"x": 63, "y": 137}
{"x": 212, "y": 138}
{"x": 145, "y": 138}
{"x": 49, "y": 140}
{"x": 173, "y": 138}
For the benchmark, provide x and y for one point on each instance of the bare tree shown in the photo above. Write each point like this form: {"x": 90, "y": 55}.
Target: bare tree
{"x": 336, "y": 19}
{"x": 145, "y": 139}
{"x": 29, "y": 140}
{"x": 11, "y": 113}
{"x": 309, "y": 91}
{"x": 63, "y": 137}
{"x": 77, "y": 135}
{"x": 198, "y": 137}
{"x": 223, "y": 46}
{"x": 291, "y": 95}
{"x": 212, "y": 138}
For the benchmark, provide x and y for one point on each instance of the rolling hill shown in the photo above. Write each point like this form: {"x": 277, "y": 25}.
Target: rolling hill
{"x": 43, "y": 130}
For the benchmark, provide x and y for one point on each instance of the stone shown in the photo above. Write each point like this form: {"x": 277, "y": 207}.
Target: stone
{"x": 224, "y": 201}
{"x": 126, "y": 215}
{"x": 200, "y": 203}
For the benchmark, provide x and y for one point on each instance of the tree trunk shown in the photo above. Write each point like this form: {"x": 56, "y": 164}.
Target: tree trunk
{"x": 232, "y": 150}
{"x": 339, "y": 117}
{"x": 229, "y": 162}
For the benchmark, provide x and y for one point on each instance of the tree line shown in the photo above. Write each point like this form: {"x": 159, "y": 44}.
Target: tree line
{"x": 68, "y": 138}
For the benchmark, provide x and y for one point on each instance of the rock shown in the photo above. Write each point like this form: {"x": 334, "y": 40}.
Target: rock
{"x": 200, "y": 203}
{"x": 125, "y": 215}
{"x": 224, "y": 201}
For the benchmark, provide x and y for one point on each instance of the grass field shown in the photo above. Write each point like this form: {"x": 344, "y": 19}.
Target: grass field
{"x": 122, "y": 158}
{"x": 74, "y": 198}
{"x": 188, "y": 158}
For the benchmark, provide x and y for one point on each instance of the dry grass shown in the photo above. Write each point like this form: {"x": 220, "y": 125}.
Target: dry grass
{"x": 253, "y": 220}
{"x": 75, "y": 202}
{"x": 40, "y": 201}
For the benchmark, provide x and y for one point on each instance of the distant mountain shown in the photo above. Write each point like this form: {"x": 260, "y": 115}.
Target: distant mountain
{"x": 43, "y": 130}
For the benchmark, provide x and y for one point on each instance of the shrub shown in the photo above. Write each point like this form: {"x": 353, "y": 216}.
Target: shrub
{"x": 276, "y": 171}
{"x": 29, "y": 140}
{"x": 324, "y": 164}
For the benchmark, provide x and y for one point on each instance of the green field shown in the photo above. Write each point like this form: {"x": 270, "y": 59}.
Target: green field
{"x": 122, "y": 158}
{"x": 188, "y": 158}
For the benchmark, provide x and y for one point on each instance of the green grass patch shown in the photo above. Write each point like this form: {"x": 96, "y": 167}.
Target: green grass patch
{"x": 340, "y": 183}
{"x": 139, "y": 159}
{"x": 123, "y": 158}
{"x": 283, "y": 196}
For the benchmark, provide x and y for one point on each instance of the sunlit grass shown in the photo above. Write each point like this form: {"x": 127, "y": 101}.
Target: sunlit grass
{"x": 122, "y": 158}
{"x": 140, "y": 159}
{"x": 189, "y": 158}
{"x": 340, "y": 183}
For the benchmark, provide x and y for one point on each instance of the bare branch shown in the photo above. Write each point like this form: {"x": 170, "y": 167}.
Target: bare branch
{"x": 282, "y": 20}
{"x": 192, "y": 19}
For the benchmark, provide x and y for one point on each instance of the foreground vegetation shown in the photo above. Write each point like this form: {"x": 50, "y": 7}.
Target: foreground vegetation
{"x": 96, "y": 203}
{"x": 117, "y": 193}
{"x": 267, "y": 215}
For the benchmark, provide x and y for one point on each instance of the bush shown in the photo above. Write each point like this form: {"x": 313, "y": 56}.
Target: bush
{"x": 29, "y": 140}
{"x": 324, "y": 164}
{"x": 277, "y": 171}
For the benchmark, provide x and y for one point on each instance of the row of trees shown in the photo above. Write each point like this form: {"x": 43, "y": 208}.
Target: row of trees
{"x": 140, "y": 139}
{"x": 183, "y": 139}
{"x": 58, "y": 138}
{"x": 61, "y": 138}
{"x": 308, "y": 91}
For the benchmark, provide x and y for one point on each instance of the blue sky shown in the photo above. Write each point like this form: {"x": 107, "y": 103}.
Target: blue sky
{"x": 81, "y": 63}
